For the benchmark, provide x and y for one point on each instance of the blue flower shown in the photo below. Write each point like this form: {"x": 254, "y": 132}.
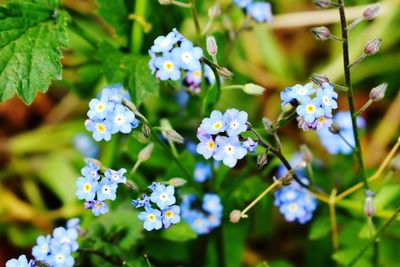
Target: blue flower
{"x": 235, "y": 121}
{"x": 328, "y": 98}
{"x": 310, "y": 109}
{"x": 151, "y": 218}
{"x": 202, "y": 172}
{"x": 20, "y": 262}
{"x": 121, "y": 119}
{"x": 215, "y": 124}
{"x": 191, "y": 146}
{"x": 165, "y": 43}
{"x": 42, "y": 249}
{"x": 143, "y": 201}
{"x": 188, "y": 56}
{"x": 163, "y": 196}
{"x": 73, "y": 223}
{"x": 260, "y": 11}
{"x": 86, "y": 188}
{"x": 99, "y": 108}
{"x": 207, "y": 145}
{"x": 199, "y": 222}
{"x": 333, "y": 142}
{"x": 91, "y": 170}
{"x": 250, "y": 145}
{"x": 229, "y": 150}
{"x": 209, "y": 74}
{"x": 242, "y": 3}
{"x": 168, "y": 67}
{"x": 60, "y": 257}
{"x": 300, "y": 92}
{"x": 100, "y": 129}
{"x": 99, "y": 207}
{"x": 322, "y": 123}
{"x": 152, "y": 61}
{"x": 115, "y": 93}
{"x": 182, "y": 98}
{"x": 85, "y": 145}
{"x": 212, "y": 203}
{"x": 170, "y": 216}
{"x": 65, "y": 238}
{"x": 286, "y": 97}
{"x": 106, "y": 190}
{"x": 116, "y": 176}
{"x": 193, "y": 79}
{"x": 214, "y": 220}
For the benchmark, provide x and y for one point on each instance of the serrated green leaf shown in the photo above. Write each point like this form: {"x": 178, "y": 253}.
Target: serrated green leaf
{"x": 130, "y": 70}
{"x": 115, "y": 13}
{"x": 31, "y": 37}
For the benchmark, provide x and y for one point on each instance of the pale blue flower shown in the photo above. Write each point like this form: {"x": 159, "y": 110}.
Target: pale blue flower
{"x": 199, "y": 222}
{"x": 20, "y": 262}
{"x": 99, "y": 108}
{"x": 250, "y": 145}
{"x": 286, "y": 97}
{"x": 163, "y": 196}
{"x": 121, "y": 119}
{"x": 85, "y": 145}
{"x": 143, "y": 201}
{"x": 91, "y": 170}
{"x": 188, "y": 55}
{"x": 322, "y": 122}
{"x": 235, "y": 121}
{"x": 242, "y": 3}
{"x": 310, "y": 109}
{"x": 215, "y": 124}
{"x": 202, "y": 172}
{"x": 99, "y": 207}
{"x": 260, "y": 11}
{"x": 170, "y": 215}
{"x": 115, "y": 93}
{"x": 300, "y": 92}
{"x": 42, "y": 248}
{"x": 60, "y": 257}
{"x": 328, "y": 99}
{"x": 106, "y": 190}
{"x": 151, "y": 218}
{"x": 73, "y": 223}
{"x": 165, "y": 43}
{"x": 100, "y": 129}
{"x": 229, "y": 150}
{"x": 207, "y": 145}
{"x": 212, "y": 203}
{"x": 116, "y": 176}
{"x": 168, "y": 67}
{"x": 65, "y": 238}
{"x": 86, "y": 188}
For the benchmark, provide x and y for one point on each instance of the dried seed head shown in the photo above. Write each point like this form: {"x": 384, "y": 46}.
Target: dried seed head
{"x": 132, "y": 185}
{"x": 306, "y": 153}
{"x": 225, "y": 73}
{"x": 322, "y": 3}
{"x": 378, "y": 92}
{"x": 335, "y": 128}
{"x": 262, "y": 159}
{"x": 287, "y": 179}
{"x": 372, "y": 47}
{"x": 145, "y": 153}
{"x": 214, "y": 11}
{"x": 235, "y": 216}
{"x": 212, "y": 47}
{"x": 177, "y": 182}
{"x": 319, "y": 78}
{"x": 173, "y": 136}
{"x": 371, "y": 12}
{"x": 146, "y": 130}
{"x": 369, "y": 207}
{"x": 253, "y": 89}
{"x": 321, "y": 33}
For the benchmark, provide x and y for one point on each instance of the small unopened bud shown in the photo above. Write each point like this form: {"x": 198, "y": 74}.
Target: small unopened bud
{"x": 287, "y": 179}
{"x": 319, "y": 78}
{"x": 253, "y": 89}
{"x": 378, "y": 92}
{"x": 371, "y": 12}
{"x": 395, "y": 164}
{"x": 262, "y": 159}
{"x": 177, "y": 182}
{"x": 146, "y": 130}
{"x": 212, "y": 47}
{"x": 225, "y": 73}
{"x": 165, "y": 2}
{"x": 145, "y": 153}
{"x": 267, "y": 125}
{"x": 322, "y": 3}
{"x": 372, "y": 47}
{"x": 335, "y": 128}
{"x": 369, "y": 207}
{"x": 173, "y": 136}
{"x": 214, "y": 11}
{"x": 306, "y": 153}
{"x": 321, "y": 33}
{"x": 235, "y": 216}
{"x": 131, "y": 185}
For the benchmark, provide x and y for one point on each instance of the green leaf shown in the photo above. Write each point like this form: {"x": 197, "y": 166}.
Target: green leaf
{"x": 386, "y": 195}
{"x": 31, "y": 37}
{"x": 130, "y": 70}
{"x": 115, "y": 13}
{"x": 320, "y": 228}
{"x": 180, "y": 233}
{"x": 346, "y": 255}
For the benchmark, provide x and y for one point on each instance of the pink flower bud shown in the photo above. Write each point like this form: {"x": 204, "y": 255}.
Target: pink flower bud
{"x": 369, "y": 207}
{"x": 214, "y": 11}
{"x": 372, "y": 47}
{"x": 371, "y": 12}
{"x": 321, "y": 33}
{"x": 319, "y": 78}
{"x": 145, "y": 153}
{"x": 212, "y": 47}
{"x": 378, "y": 92}
{"x": 322, "y": 3}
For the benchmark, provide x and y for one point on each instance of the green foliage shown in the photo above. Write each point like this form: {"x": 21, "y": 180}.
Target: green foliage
{"x": 32, "y": 34}
{"x": 115, "y": 13}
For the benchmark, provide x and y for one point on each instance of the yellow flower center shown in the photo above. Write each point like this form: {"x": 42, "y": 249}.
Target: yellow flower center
{"x": 168, "y": 214}
{"x": 210, "y": 145}
{"x": 87, "y": 187}
{"x": 151, "y": 217}
{"x": 101, "y": 128}
{"x": 321, "y": 120}
{"x": 168, "y": 65}
{"x": 293, "y": 207}
{"x": 100, "y": 107}
{"x": 197, "y": 73}
{"x": 310, "y": 108}
{"x": 217, "y": 125}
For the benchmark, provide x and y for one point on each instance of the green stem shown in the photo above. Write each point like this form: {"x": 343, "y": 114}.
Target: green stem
{"x": 180, "y": 4}
{"x": 346, "y": 65}
{"x": 363, "y": 108}
{"x": 137, "y": 30}
{"x": 375, "y": 238}
{"x": 195, "y": 19}
{"x": 230, "y": 87}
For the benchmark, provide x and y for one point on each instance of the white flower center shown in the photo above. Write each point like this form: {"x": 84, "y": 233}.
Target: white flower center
{"x": 115, "y": 176}
{"x": 302, "y": 91}
{"x": 186, "y": 57}
{"x": 106, "y": 189}
{"x": 164, "y": 197}
{"x": 229, "y": 150}
{"x": 234, "y": 124}
{"x": 119, "y": 119}
{"x": 290, "y": 195}
{"x": 165, "y": 42}
{"x": 93, "y": 173}
{"x": 60, "y": 258}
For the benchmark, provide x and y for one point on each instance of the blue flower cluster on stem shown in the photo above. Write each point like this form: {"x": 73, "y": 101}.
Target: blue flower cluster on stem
{"x": 95, "y": 187}
{"x": 259, "y": 11}
{"x": 53, "y": 250}
{"x": 160, "y": 210}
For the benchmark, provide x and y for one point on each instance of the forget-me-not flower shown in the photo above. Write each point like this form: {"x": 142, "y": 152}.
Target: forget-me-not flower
{"x": 86, "y": 188}
{"x": 168, "y": 67}
{"x": 260, "y": 11}
{"x": 143, "y": 201}
{"x": 100, "y": 129}
{"x": 60, "y": 257}
{"x": 250, "y": 145}
{"x": 22, "y": 261}
{"x": 151, "y": 218}
{"x": 202, "y": 172}
{"x": 121, "y": 119}
{"x": 99, "y": 108}
{"x": 106, "y": 190}
{"x": 229, "y": 150}
{"x": 99, "y": 207}
{"x": 42, "y": 248}
{"x": 163, "y": 196}
{"x": 310, "y": 109}
{"x": 188, "y": 55}
{"x": 170, "y": 215}
{"x": 215, "y": 124}
{"x": 116, "y": 176}
{"x": 67, "y": 237}
{"x": 301, "y": 92}
{"x": 91, "y": 170}
{"x": 235, "y": 121}
{"x": 212, "y": 203}
{"x": 165, "y": 43}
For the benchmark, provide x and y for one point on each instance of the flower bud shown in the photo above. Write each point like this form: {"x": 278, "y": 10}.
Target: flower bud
{"x": 262, "y": 159}
{"x": 395, "y": 164}
{"x": 214, "y": 11}
{"x": 212, "y": 47}
{"x": 371, "y": 12}
{"x": 335, "y": 128}
{"x": 287, "y": 179}
{"x": 165, "y": 2}
{"x": 131, "y": 185}
{"x": 253, "y": 89}
{"x": 146, "y": 130}
{"x": 145, "y": 153}
{"x": 235, "y": 216}
{"x": 369, "y": 207}
{"x": 378, "y": 92}
{"x": 177, "y": 182}
{"x": 319, "y": 78}
{"x": 173, "y": 136}
{"x": 225, "y": 73}
{"x": 321, "y": 33}
{"x": 322, "y": 3}
{"x": 306, "y": 153}
{"x": 372, "y": 47}
{"x": 267, "y": 125}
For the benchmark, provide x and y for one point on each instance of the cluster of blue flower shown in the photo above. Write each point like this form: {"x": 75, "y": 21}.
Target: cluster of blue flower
{"x": 202, "y": 172}
{"x": 334, "y": 143}
{"x": 172, "y": 54}
{"x": 259, "y": 11}
{"x": 314, "y": 105}
{"x": 226, "y": 148}
{"x": 107, "y": 115}
{"x": 166, "y": 213}
{"x": 295, "y": 202}
{"x": 95, "y": 189}
{"x": 204, "y": 219}
{"x": 85, "y": 145}
{"x": 52, "y": 251}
